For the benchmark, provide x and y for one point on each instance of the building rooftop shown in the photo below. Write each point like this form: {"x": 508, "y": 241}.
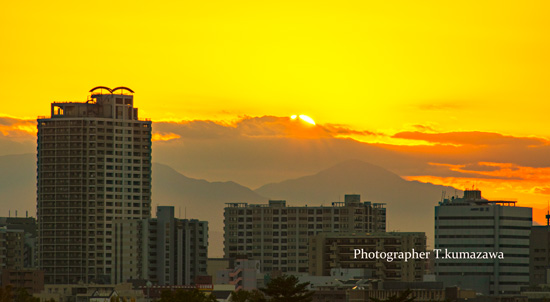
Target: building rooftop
{"x": 473, "y": 197}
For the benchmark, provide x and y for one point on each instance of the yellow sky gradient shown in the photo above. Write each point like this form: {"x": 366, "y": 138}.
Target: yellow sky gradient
{"x": 376, "y": 66}
{"x": 372, "y": 65}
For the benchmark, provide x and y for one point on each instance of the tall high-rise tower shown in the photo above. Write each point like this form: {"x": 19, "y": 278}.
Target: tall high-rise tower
{"x": 94, "y": 166}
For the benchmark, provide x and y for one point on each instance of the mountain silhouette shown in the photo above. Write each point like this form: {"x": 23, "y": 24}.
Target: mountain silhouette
{"x": 192, "y": 198}
{"x": 410, "y": 204}
{"x": 199, "y": 199}
{"x": 18, "y": 184}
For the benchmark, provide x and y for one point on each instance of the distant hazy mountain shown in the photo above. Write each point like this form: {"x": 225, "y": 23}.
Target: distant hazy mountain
{"x": 194, "y": 198}
{"x": 410, "y": 204}
{"x": 18, "y": 184}
{"x": 200, "y": 199}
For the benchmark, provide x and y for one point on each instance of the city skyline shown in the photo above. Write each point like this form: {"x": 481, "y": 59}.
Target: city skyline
{"x": 435, "y": 92}
{"x": 275, "y": 141}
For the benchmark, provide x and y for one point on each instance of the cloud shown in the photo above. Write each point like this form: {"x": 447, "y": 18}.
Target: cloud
{"x": 257, "y": 127}
{"x": 500, "y": 171}
{"x": 162, "y": 136}
{"x": 339, "y": 130}
{"x": 257, "y": 150}
{"x": 8, "y": 121}
{"x": 472, "y": 138}
{"x": 424, "y": 128}
{"x": 542, "y": 190}
{"x": 17, "y": 129}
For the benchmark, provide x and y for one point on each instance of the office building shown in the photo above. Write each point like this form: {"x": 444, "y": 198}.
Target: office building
{"x": 277, "y": 235}
{"x": 94, "y": 166}
{"x": 329, "y": 251}
{"x": 539, "y": 255}
{"x": 164, "y": 250}
{"x": 484, "y": 227}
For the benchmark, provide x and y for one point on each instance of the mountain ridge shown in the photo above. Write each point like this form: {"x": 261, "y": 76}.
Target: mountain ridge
{"x": 205, "y": 200}
{"x": 404, "y": 199}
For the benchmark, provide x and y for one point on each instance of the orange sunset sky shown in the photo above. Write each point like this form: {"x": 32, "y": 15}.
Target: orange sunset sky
{"x": 462, "y": 87}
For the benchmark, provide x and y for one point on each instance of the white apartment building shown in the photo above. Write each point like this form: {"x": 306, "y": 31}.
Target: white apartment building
{"x": 277, "y": 235}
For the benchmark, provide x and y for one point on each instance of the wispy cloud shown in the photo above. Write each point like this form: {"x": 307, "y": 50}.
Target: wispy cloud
{"x": 161, "y": 136}
{"x": 17, "y": 129}
{"x": 256, "y": 150}
{"x": 472, "y": 138}
{"x": 500, "y": 171}
{"x": 258, "y": 127}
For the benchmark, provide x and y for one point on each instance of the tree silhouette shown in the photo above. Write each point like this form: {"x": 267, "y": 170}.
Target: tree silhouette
{"x": 118, "y": 299}
{"x": 402, "y": 297}
{"x": 287, "y": 289}
{"x": 247, "y": 296}
{"x": 181, "y": 295}
{"x": 6, "y": 293}
{"x": 23, "y": 296}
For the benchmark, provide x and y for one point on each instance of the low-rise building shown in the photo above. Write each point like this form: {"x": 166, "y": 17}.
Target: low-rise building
{"x": 29, "y": 226}
{"x": 164, "y": 250}
{"x": 328, "y": 251}
{"x": 91, "y": 292}
{"x": 31, "y": 280}
{"x": 214, "y": 265}
{"x": 244, "y": 274}
{"x": 12, "y": 249}
{"x": 364, "y": 290}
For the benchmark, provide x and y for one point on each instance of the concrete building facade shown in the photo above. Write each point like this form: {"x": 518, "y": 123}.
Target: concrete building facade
{"x": 213, "y": 265}
{"x": 30, "y": 279}
{"x": 369, "y": 290}
{"x": 539, "y": 252}
{"x": 94, "y": 166}
{"x": 29, "y": 226}
{"x": 244, "y": 274}
{"x": 330, "y": 251}
{"x": 164, "y": 250}
{"x": 12, "y": 249}
{"x": 474, "y": 224}
{"x": 277, "y": 235}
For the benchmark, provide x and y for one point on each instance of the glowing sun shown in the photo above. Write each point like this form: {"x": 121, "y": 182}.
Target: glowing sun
{"x": 304, "y": 118}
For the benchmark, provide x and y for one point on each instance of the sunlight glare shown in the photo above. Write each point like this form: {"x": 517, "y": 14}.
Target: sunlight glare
{"x": 307, "y": 119}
